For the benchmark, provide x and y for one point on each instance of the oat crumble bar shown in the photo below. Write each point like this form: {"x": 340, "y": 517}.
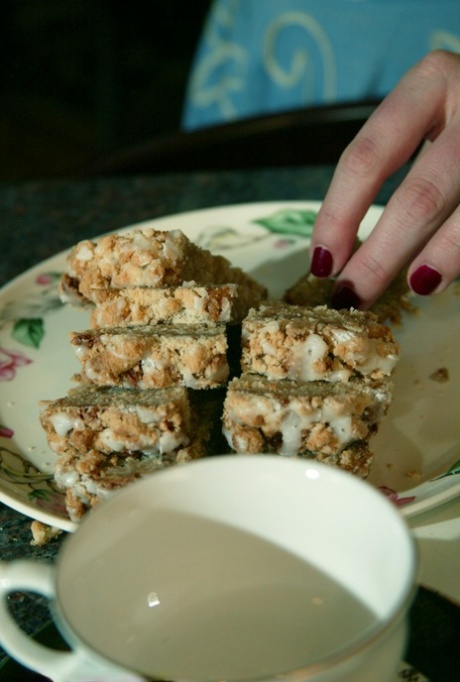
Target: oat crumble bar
{"x": 146, "y": 258}
{"x": 315, "y": 418}
{"x": 89, "y": 478}
{"x": 117, "y": 420}
{"x": 194, "y": 356}
{"x": 185, "y": 304}
{"x": 282, "y": 341}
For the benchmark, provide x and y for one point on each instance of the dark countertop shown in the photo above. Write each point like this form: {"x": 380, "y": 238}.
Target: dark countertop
{"x": 39, "y": 219}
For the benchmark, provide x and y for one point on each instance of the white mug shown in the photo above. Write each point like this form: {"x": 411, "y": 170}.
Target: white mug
{"x": 236, "y": 567}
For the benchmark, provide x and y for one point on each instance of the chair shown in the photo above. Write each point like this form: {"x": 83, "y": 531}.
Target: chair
{"x": 305, "y": 136}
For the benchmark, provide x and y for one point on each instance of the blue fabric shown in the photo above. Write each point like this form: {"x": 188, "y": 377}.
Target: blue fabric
{"x": 263, "y": 56}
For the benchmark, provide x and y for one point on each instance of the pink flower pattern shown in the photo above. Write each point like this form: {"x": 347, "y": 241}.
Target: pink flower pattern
{"x": 283, "y": 243}
{"x": 49, "y": 500}
{"x": 5, "y": 432}
{"x": 394, "y": 496}
{"x": 44, "y": 279}
{"x": 9, "y": 362}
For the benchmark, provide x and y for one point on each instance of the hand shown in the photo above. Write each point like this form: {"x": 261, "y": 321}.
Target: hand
{"x": 420, "y": 226}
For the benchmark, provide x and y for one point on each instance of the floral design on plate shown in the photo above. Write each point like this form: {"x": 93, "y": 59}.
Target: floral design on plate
{"x": 289, "y": 223}
{"x": 26, "y": 316}
{"x": 396, "y": 498}
{"x": 30, "y": 483}
{"x": 6, "y": 432}
{"x": 454, "y": 470}
{"x": 422, "y": 493}
{"x": 10, "y": 361}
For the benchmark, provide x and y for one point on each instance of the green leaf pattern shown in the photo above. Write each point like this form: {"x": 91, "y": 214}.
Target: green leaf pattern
{"x": 290, "y": 221}
{"x": 29, "y": 332}
{"x": 454, "y": 470}
{"x": 26, "y": 315}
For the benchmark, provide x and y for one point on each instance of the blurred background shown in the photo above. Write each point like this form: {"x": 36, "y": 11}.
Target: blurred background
{"x": 83, "y": 78}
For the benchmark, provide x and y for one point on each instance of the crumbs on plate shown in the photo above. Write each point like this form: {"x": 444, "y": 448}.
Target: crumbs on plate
{"x": 441, "y": 375}
{"x": 42, "y": 534}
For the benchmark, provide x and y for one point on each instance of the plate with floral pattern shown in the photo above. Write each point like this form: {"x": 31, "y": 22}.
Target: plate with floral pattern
{"x": 417, "y": 449}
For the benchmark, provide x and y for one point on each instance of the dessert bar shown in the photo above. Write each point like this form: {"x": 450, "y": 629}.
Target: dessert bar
{"x": 314, "y": 419}
{"x": 283, "y": 341}
{"x": 146, "y": 258}
{"x": 158, "y": 356}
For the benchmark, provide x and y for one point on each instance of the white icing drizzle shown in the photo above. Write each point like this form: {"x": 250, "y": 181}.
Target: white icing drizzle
{"x": 295, "y": 422}
{"x": 368, "y": 359}
{"x": 63, "y": 423}
{"x": 304, "y": 358}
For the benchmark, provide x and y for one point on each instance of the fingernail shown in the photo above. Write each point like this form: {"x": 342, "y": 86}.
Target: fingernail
{"x": 425, "y": 280}
{"x": 345, "y": 297}
{"x": 321, "y": 263}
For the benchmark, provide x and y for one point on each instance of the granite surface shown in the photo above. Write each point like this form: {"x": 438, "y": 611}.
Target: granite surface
{"x": 39, "y": 219}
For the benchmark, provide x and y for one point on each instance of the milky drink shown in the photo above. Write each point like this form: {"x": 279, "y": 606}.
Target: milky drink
{"x": 218, "y": 603}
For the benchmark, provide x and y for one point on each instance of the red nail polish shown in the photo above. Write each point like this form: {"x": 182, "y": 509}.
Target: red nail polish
{"x": 321, "y": 263}
{"x": 425, "y": 280}
{"x": 345, "y": 297}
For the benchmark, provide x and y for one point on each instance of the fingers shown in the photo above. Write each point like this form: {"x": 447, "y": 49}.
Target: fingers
{"x": 424, "y": 105}
{"x": 438, "y": 264}
{"x": 419, "y": 224}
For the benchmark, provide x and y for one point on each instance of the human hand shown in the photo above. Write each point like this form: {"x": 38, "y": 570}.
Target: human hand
{"x": 420, "y": 226}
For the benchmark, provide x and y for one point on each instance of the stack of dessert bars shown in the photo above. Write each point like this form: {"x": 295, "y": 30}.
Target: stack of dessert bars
{"x": 315, "y": 383}
{"x": 165, "y": 320}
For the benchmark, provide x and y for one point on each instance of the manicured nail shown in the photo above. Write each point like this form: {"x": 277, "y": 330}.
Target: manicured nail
{"x": 345, "y": 297}
{"x": 425, "y": 280}
{"x": 321, "y": 263}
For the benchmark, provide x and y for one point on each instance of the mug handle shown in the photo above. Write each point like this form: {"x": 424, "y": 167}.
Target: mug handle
{"x": 31, "y": 576}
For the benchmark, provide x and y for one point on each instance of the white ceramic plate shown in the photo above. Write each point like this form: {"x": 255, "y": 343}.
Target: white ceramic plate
{"x": 270, "y": 241}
